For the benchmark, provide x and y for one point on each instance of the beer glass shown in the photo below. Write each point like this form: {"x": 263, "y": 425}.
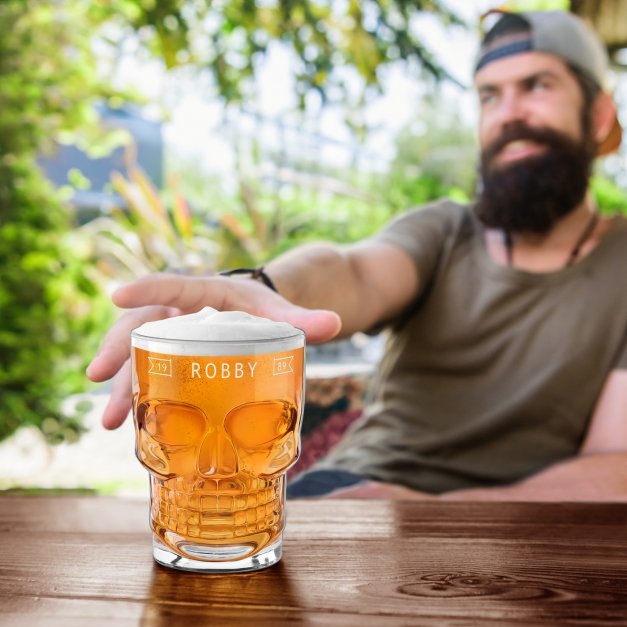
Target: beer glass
{"x": 217, "y": 425}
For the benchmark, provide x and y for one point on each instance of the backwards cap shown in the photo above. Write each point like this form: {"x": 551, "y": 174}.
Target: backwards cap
{"x": 561, "y": 34}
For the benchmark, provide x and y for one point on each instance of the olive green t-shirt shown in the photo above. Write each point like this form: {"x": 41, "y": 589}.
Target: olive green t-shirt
{"x": 494, "y": 372}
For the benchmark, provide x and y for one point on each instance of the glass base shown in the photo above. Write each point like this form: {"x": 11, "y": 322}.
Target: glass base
{"x": 165, "y": 556}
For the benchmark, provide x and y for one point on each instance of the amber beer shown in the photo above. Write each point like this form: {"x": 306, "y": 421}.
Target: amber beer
{"x": 217, "y": 425}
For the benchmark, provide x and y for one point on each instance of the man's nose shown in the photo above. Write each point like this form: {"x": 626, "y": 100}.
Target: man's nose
{"x": 511, "y": 108}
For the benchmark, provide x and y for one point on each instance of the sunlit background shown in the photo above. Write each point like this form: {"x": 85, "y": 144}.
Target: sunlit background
{"x": 188, "y": 135}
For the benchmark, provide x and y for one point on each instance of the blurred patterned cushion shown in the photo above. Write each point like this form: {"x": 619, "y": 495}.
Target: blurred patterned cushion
{"x": 332, "y": 405}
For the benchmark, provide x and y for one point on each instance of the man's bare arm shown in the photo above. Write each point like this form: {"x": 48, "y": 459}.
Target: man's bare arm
{"x": 597, "y": 477}
{"x": 365, "y": 283}
{"x": 608, "y": 427}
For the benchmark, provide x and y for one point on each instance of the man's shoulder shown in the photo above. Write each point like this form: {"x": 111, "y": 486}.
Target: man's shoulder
{"x": 444, "y": 211}
{"x": 444, "y": 206}
{"x": 425, "y": 231}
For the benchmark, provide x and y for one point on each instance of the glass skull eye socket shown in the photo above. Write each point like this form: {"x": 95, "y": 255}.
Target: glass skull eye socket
{"x": 167, "y": 432}
{"x": 252, "y": 425}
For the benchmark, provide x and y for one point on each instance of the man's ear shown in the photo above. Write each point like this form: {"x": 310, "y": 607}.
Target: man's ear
{"x": 603, "y": 116}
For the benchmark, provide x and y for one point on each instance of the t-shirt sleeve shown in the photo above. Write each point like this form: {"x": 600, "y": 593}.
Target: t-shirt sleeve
{"x": 423, "y": 234}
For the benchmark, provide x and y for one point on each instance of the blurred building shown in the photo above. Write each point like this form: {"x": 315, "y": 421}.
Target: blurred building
{"x": 99, "y": 198}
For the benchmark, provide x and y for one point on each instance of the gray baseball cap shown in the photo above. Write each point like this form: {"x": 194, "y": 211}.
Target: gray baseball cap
{"x": 563, "y": 35}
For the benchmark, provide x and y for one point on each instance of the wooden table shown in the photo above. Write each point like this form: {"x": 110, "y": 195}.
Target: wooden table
{"x": 82, "y": 561}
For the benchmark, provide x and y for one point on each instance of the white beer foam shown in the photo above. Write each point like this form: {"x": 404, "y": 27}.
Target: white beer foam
{"x": 210, "y": 325}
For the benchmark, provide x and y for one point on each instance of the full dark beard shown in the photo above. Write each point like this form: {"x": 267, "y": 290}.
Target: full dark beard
{"x": 532, "y": 194}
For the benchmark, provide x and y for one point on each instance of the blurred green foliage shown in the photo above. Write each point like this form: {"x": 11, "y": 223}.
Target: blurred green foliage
{"x": 229, "y": 38}
{"x": 435, "y": 157}
{"x": 537, "y": 5}
{"x": 610, "y": 198}
{"x": 260, "y": 222}
{"x": 289, "y": 200}
{"x": 152, "y": 231}
{"x": 52, "y": 309}
{"x": 53, "y": 312}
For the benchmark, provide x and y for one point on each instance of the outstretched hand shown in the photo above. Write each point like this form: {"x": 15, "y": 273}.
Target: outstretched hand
{"x": 166, "y": 295}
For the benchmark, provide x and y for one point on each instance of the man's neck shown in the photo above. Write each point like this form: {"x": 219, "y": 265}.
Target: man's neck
{"x": 553, "y": 250}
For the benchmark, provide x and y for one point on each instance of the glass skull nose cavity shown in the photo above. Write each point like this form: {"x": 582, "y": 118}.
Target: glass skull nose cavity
{"x": 178, "y": 439}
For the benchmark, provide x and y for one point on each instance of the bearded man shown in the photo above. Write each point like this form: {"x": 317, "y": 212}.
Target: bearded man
{"x": 505, "y": 370}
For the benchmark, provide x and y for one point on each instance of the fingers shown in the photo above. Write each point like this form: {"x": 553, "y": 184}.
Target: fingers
{"x": 186, "y": 293}
{"x": 116, "y": 346}
{"x": 190, "y": 294}
{"x": 121, "y": 398}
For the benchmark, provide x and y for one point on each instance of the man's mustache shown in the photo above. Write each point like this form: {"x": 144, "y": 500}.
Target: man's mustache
{"x": 519, "y": 131}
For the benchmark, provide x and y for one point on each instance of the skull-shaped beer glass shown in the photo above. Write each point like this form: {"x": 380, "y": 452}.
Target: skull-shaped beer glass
{"x": 217, "y": 425}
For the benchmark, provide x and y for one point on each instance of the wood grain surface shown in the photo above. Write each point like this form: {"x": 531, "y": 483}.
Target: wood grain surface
{"x": 82, "y": 561}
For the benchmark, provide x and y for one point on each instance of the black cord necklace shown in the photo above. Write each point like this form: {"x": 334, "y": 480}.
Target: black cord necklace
{"x": 574, "y": 253}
